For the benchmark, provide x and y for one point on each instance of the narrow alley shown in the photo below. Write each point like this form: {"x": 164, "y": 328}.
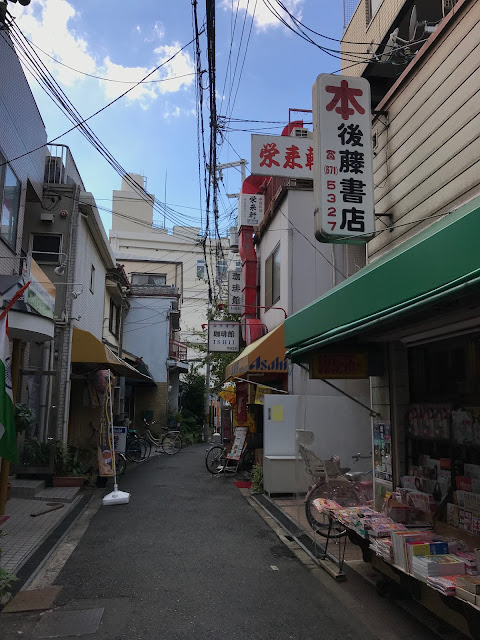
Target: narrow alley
{"x": 189, "y": 557}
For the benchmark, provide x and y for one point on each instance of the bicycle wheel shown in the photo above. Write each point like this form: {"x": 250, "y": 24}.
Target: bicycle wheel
{"x": 215, "y": 459}
{"x": 171, "y": 443}
{"x": 136, "y": 450}
{"x": 148, "y": 446}
{"x": 120, "y": 464}
{"x": 319, "y": 521}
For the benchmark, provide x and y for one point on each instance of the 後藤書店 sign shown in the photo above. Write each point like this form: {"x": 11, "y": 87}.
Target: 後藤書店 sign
{"x": 343, "y": 171}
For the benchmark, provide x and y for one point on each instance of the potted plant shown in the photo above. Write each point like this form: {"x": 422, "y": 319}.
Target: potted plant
{"x": 24, "y": 417}
{"x": 67, "y": 468}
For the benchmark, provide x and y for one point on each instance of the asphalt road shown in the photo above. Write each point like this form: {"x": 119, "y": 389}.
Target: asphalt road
{"x": 189, "y": 558}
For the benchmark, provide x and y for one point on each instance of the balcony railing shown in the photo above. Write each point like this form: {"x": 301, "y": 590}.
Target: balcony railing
{"x": 178, "y": 350}
{"x": 60, "y": 167}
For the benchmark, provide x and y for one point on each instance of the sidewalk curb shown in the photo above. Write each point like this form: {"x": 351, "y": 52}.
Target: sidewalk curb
{"x": 41, "y": 556}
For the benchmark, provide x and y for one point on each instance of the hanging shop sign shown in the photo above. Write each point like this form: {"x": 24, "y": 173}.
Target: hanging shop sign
{"x": 343, "y": 172}
{"x": 235, "y": 294}
{"x": 41, "y": 292}
{"x": 345, "y": 366}
{"x": 223, "y": 336}
{"x": 282, "y": 156}
{"x": 251, "y": 207}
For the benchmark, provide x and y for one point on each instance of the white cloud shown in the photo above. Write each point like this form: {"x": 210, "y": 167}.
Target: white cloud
{"x": 50, "y": 24}
{"x": 264, "y": 18}
{"x": 181, "y": 65}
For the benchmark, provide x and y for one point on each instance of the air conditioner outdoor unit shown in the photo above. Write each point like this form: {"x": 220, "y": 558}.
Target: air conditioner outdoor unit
{"x": 299, "y": 132}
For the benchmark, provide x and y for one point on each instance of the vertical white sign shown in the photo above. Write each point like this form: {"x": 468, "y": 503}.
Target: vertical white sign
{"x": 251, "y": 208}
{"x": 343, "y": 170}
{"x": 223, "y": 336}
{"x": 235, "y": 292}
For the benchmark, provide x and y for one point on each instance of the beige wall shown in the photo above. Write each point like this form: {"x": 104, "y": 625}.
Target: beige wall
{"x": 151, "y": 399}
{"x": 359, "y": 31}
{"x": 427, "y": 158}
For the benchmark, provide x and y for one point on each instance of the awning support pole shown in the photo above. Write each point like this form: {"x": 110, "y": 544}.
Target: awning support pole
{"x": 373, "y": 414}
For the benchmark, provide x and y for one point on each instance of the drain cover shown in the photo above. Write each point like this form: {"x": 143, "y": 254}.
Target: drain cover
{"x": 33, "y": 600}
{"x": 68, "y": 623}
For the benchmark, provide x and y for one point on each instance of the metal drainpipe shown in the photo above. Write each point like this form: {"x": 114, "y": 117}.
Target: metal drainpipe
{"x": 66, "y": 356}
{"x": 42, "y": 414}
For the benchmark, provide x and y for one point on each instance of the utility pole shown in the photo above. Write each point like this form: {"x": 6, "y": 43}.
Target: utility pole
{"x": 230, "y": 165}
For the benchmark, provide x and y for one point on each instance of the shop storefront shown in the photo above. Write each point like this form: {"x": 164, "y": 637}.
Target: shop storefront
{"x": 418, "y": 307}
{"x": 261, "y": 368}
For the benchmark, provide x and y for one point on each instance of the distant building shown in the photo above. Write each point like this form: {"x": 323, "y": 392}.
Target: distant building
{"x": 152, "y": 255}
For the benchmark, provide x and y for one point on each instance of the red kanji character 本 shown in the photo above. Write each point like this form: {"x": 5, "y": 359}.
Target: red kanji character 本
{"x": 309, "y": 158}
{"x": 330, "y": 154}
{"x": 268, "y": 153}
{"x": 346, "y": 96}
{"x": 292, "y": 154}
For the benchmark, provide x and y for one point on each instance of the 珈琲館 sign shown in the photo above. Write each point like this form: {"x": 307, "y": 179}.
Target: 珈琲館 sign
{"x": 343, "y": 169}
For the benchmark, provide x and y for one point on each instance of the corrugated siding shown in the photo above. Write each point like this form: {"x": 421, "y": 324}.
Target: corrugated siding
{"x": 427, "y": 158}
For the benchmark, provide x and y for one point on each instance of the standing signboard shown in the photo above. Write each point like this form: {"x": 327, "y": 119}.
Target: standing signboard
{"x": 343, "y": 171}
{"x": 282, "y": 156}
{"x": 238, "y": 443}
{"x": 223, "y": 336}
{"x": 235, "y": 295}
{"x": 120, "y": 439}
{"x": 251, "y": 207}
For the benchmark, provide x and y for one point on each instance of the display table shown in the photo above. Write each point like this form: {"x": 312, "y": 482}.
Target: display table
{"x": 457, "y": 612}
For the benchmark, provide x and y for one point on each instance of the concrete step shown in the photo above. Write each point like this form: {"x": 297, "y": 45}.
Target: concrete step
{"x": 58, "y": 494}
{"x": 26, "y": 488}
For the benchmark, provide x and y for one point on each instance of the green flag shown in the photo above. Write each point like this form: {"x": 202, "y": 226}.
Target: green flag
{"x": 8, "y": 432}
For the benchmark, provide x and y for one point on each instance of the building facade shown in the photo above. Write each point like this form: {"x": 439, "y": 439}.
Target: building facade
{"x": 173, "y": 258}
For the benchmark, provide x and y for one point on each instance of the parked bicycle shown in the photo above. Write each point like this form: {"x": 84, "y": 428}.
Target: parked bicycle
{"x": 170, "y": 442}
{"x": 346, "y": 487}
{"x": 216, "y": 459}
{"x": 138, "y": 449}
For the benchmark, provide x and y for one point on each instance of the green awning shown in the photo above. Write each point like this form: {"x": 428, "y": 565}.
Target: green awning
{"x": 435, "y": 263}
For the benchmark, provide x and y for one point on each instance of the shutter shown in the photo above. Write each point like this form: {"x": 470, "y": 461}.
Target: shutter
{"x": 268, "y": 281}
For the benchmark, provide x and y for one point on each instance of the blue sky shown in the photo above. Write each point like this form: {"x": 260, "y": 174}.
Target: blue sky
{"x": 153, "y": 130}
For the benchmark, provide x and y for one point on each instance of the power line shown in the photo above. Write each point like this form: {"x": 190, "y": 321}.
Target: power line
{"x": 90, "y": 75}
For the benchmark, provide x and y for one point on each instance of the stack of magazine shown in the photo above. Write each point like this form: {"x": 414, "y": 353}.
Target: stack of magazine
{"x": 424, "y": 567}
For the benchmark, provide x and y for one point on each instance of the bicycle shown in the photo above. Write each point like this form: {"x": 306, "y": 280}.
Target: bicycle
{"x": 347, "y": 488}
{"x": 170, "y": 443}
{"x": 216, "y": 459}
{"x": 138, "y": 449}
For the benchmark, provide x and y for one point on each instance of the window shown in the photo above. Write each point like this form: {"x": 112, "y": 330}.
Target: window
{"x": 371, "y": 8}
{"x": 92, "y": 279}
{"x": 201, "y": 269}
{"x": 238, "y": 265}
{"x": 272, "y": 277}
{"x": 222, "y": 268}
{"x": 10, "y": 191}
{"x": 155, "y": 279}
{"x": 45, "y": 246}
{"x": 114, "y": 319}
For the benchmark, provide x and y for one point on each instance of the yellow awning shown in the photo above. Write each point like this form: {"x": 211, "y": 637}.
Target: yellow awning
{"x": 89, "y": 350}
{"x": 265, "y": 355}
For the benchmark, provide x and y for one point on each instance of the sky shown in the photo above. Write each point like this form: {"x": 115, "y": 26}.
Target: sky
{"x": 261, "y": 72}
